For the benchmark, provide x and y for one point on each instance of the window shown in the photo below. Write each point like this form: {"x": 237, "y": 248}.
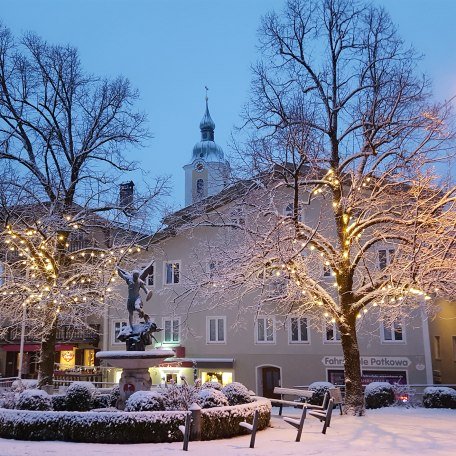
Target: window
{"x": 327, "y": 271}
{"x": 393, "y": 332}
{"x": 200, "y": 188}
{"x": 331, "y": 333}
{"x": 265, "y": 330}
{"x": 298, "y": 330}
{"x": 171, "y": 333}
{"x": 172, "y": 272}
{"x": 437, "y": 353}
{"x": 289, "y": 211}
{"x": 118, "y": 325}
{"x": 216, "y": 330}
{"x": 150, "y": 279}
{"x": 385, "y": 257}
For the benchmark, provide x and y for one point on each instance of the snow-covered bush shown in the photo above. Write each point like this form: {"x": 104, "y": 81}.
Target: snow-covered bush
{"x": 145, "y": 401}
{"x": 34, "y": 399}
{"x": 215, "y": 385}
{"x": 211, "y": 397}
{"x": 222, "y": 423}
{"x": 379, "y": 394}
{"x": 101, "y": 401}
{"x": 58, "y": 402}
{"x": 20, "y": 385}
{"x": 127, "y": 427}
{"x": 439, "y": 397}
{"x": 8, "y": 400}
{"x": 236, "y": 393}
{"x": 115, "y": 395}
{"x": 79, "y": 396}
{"x": 319, "y": 389}
{"x": 179, "y": 397}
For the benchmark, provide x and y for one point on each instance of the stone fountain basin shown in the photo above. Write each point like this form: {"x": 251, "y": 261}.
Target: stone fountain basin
{"x": 135, "y": 359}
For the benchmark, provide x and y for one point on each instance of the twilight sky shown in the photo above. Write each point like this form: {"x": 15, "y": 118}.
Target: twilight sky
{"x": 171, "y": 49}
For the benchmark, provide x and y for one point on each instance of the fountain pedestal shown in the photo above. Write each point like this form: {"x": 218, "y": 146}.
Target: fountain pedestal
{"x": 135, "y": 364}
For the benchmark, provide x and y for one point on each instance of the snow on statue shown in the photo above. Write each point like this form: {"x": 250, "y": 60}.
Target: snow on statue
{"x": 135, "y": 281}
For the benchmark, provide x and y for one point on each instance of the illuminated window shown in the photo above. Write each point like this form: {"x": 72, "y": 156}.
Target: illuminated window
{"x": 265, "y": 330}
{"x": 221, "y": 377}
{"x": 216, "y": 330}
{"x": 298, "y": 330}
{"x": 393, "y": 332}
{"x": 172, "y": 272}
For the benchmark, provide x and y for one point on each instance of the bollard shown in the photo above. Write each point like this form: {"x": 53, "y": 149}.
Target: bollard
{"x": 195, "y": 433}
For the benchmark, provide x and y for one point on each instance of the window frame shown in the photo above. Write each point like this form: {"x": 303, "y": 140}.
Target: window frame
{"x": 114, "y": 340}
{"x": 290, "y": 331}
{"x": 165, "y": 273}
{"x": 389, "y": 255}
{"x": 179, "y": 336}
{"x": 217, "y": 318}
{"x": 393, "y": 331}
{"x": 336, "y": 331}
{"x": 273, "y": 323}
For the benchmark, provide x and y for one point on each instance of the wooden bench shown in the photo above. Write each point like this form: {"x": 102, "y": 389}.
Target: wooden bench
{"x": 322, "y": 412}
{"x": 298, "y": 393}
{"x": 252, "y": 428}
{"x": 324, "y": 415}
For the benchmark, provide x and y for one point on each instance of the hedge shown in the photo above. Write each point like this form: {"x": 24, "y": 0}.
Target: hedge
{"x": 127, "y": 427}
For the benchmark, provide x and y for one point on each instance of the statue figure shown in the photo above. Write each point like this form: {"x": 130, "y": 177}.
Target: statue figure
{"x": 135, "y": 281}
{"x": 137, "y": 337}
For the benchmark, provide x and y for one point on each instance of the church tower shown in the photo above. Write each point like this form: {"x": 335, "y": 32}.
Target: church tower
{"x": 208, "y": 171}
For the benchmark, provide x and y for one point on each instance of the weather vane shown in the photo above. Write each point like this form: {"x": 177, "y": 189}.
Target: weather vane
{"x": 207, "y": 88}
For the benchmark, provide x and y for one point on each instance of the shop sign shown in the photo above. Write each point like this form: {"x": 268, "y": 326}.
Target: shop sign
{"x": 369, "y": 361}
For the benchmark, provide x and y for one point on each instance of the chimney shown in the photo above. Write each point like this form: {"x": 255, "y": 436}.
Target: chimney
{"x": 126, "y": 196}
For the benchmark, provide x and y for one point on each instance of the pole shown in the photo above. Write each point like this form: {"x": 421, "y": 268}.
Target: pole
{"x": 21, "y": 349}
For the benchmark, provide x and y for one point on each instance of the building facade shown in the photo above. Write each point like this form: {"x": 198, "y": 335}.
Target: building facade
{"x": 260, "y": 349}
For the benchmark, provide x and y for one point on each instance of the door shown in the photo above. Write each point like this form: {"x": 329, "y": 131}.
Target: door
{"x": 271, "y": 379}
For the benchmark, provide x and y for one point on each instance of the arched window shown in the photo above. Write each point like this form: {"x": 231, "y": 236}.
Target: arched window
{"x": 200, "y": 188}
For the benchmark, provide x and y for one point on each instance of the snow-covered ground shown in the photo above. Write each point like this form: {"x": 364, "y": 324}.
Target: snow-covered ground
{"x": 384, "y": 432}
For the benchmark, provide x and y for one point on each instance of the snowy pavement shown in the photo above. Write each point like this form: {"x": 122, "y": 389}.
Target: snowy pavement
{"x": 385, "y": 432}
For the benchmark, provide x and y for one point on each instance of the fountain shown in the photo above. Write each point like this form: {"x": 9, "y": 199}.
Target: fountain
{"x": 135, "y": 361}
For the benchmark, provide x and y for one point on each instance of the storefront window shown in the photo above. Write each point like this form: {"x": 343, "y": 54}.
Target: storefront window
{"x": 221, "y": 377}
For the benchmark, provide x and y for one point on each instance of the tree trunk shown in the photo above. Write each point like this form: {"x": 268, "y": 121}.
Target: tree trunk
{"x": 354, "y": 395}
{"x": 47, "y": 354}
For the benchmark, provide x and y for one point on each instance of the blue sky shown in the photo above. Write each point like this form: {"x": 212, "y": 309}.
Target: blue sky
{"x": 171, "y": 49}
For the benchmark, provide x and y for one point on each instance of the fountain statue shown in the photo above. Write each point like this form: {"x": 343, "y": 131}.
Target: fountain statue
{"x": 135, "y": 360}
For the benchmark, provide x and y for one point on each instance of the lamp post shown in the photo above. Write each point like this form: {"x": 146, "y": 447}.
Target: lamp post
{"x": 21, "y": 349}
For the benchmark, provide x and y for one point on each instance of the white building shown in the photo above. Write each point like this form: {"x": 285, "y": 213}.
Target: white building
{"x": 260, "y": 350}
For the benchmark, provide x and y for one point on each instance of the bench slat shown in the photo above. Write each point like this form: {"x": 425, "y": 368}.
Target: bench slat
{"x": 246, "y": 425}
{"x": 290, "y": 420}
{"x": 293, "y": 392}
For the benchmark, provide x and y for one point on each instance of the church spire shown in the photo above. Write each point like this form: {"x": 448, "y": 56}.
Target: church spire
{"x": 207, "y": 125}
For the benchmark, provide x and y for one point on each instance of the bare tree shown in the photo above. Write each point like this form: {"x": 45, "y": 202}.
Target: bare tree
{"x": 344, "y": 129}
{"x": 62, "y": 138}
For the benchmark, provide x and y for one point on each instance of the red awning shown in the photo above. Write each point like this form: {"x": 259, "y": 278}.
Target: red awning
{"x": 34, "y": 347}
